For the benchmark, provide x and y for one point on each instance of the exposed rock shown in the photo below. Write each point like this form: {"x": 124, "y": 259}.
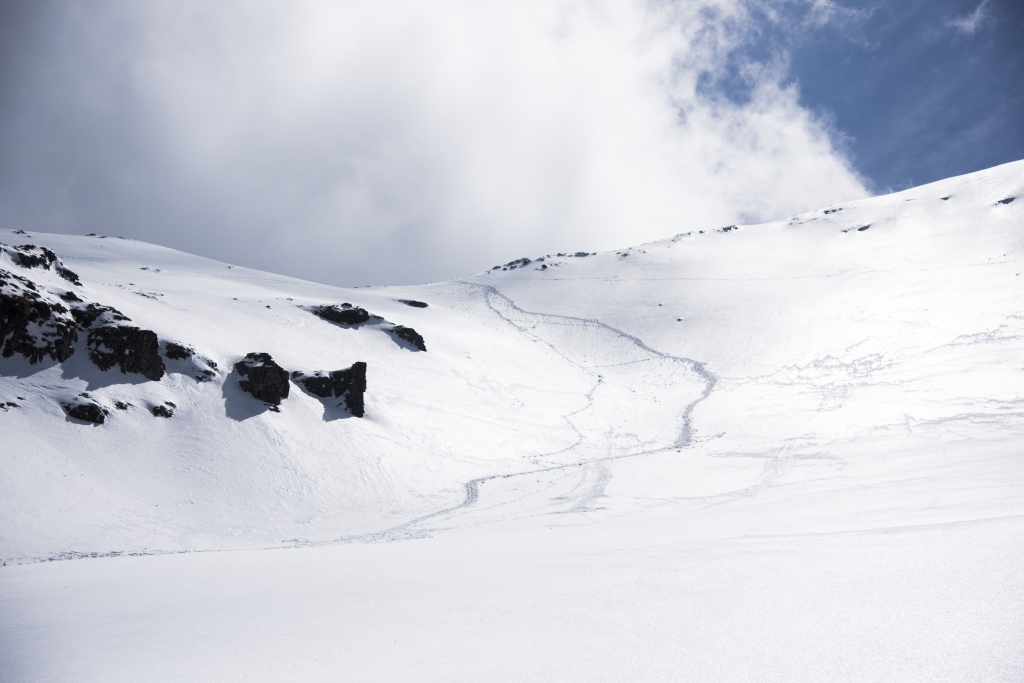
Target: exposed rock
{"x": 414, "y": 303}
{"x": 201, "y": 369}
{"x": 345, "y": 314}
{"x": 88, "y": 314}
{"x": 1006, "y": 201}
{"x": 31, "y": 256}
{"x": 518, "y": 263}
{"x": 87, "y": 411}
{"x": 177, "y": 351}
{"x": 121, "y": 405}
{"x": 264, "y": 379}
{"x": 410, "y": 335}
{"x": 32, "y": 322}
{"x": 349, "y": 383}
{"x": 165, "y": 410}
{"x": 130, "y": 348}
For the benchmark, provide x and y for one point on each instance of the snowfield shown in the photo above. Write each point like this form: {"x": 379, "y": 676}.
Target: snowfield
{"x": 780, "y": 452}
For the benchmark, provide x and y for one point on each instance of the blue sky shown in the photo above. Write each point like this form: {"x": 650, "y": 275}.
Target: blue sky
{"x": 925, "y": 89}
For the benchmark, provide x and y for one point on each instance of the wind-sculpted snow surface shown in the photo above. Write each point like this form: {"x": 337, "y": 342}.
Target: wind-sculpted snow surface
{"x": 785, "y": 452}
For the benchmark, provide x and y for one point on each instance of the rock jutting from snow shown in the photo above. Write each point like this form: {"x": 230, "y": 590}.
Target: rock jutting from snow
{"x": 413, "y": 303}
{"x": 177, "y": 351}
{"x": 188, "y": 362}
{"x": 89, "y": 313}
{"x": 31, "y": 256}
{"x": 87, "y": 411}
{"x": 264, "y": 380}
{"x": 132, "y": 349}
{"x": 165, "y": 410}
{"x": 344, "y": 314}
{"x": 33, "y": 323}
{"x": 410, "y": 335}
{"x": 349, "y": 383}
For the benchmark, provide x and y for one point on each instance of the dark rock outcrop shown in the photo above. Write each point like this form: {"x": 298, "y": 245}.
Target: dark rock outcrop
{"x": 130, "y": 348}
{"x": 413, "y": 303}
{"x": 349, "y": 384}
{"x": 33, "y": 323}
{"x": 87, "y": 411}
{"x": 31, "y": 256}
{"x": 264, "y": 379}
{"x": 200, "y": 368}
{"x": 177, "y": 351}
{"x": 410, "y": 335}
{"x": 165, "y": 410}
{"x": 345, "y": 314}
{"x": 87, "y": 314}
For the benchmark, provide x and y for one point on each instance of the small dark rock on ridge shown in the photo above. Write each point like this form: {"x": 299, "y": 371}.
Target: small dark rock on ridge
{"x": 264, "y": 380}
{"x": 410, "y": 335}
{"x": 413, "y": 303}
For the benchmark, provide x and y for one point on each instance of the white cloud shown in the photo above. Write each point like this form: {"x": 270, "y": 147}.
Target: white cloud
{"x": 969, "y": 24}
{"x": 401, "y": 141}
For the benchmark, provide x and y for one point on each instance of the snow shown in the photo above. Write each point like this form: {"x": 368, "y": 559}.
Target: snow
{"x": 783, "y": 452}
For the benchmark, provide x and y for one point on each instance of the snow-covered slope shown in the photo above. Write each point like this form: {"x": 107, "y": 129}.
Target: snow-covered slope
{"x": 811, "y": 418}
{"x": 897, "y": 318}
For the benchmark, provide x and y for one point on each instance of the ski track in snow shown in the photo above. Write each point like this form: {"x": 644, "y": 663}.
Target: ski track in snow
{"x": 407, "y": 530}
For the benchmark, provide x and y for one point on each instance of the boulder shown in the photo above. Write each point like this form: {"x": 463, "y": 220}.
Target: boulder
{"x": 410, "y": 335}
{"x": 166, "y": 410}
{"x": 86, "y": 411}
{"x": 264, "y": 379}
{"x": 344, "y": 314}
{"x": 349, "y": 384}
{"x": 130, "y": 348}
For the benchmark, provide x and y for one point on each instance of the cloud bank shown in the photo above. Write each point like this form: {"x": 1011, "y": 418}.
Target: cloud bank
{"x": 368, "y": 142}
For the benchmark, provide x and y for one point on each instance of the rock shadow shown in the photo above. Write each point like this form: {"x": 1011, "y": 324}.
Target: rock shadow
{"x": 406, "y": 338}
{"x": 334, "y": 408}
{"x": 80, "y": 366}
{"x": 238, "y": 404}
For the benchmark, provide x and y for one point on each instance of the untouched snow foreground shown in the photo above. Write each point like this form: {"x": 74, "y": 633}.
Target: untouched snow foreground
{"x": 783, "y": 452}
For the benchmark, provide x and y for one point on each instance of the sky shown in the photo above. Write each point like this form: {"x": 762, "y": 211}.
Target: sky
{"x": 359, "y": 143}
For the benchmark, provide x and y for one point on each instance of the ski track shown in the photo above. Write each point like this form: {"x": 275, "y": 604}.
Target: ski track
{"x": 472, "y": 487}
